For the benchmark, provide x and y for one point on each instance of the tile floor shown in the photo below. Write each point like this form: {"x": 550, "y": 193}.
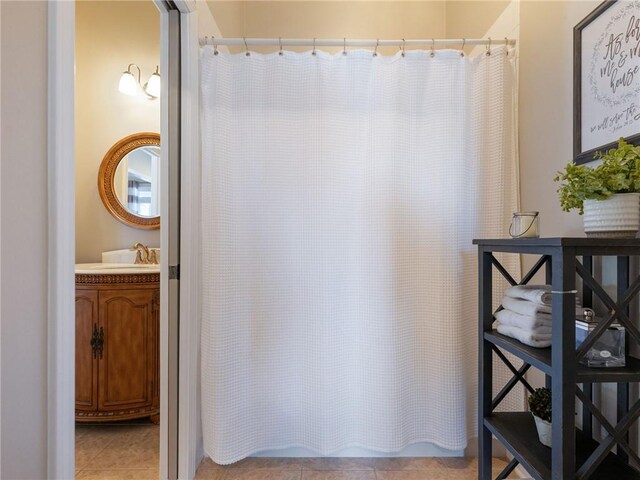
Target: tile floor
{"x": 119, "y": 451}
{"x": 131, "y": 452}
{"x": 346, "y": 469}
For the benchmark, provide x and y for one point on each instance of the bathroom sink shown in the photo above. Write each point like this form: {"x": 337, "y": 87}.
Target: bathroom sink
{"x": 107, "y": 268}
{"x": 119, "y": 261}
{"x": 119, "y": 266}
{"x": 123, "y": 256}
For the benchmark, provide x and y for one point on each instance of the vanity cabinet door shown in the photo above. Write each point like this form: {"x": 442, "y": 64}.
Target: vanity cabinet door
{"x": 128, "y": 363}
{"x": 86, "y": 364}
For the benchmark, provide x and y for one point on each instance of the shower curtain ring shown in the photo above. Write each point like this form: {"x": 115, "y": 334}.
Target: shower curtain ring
{"x": 402, "y": 47}
{"x": 489, "y": 47}
{"x": 433, "y": 47}
{"x": 375, "y": 51}
{"x": 280, "y": 43}
{"x": 246, "y": 47}
{"x": 314, "y": 46}
{"x": 464, "y": 41}
{"x": 506, "y": 46}
{"x": 215, "y": 45}
{"x": 344, "y": 46}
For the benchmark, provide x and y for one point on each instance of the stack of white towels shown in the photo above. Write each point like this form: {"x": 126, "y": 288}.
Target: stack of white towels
{"x": 526, "y": 315}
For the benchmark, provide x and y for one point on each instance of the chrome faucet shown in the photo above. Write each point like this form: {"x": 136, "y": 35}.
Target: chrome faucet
{"x": 143, "y": 256}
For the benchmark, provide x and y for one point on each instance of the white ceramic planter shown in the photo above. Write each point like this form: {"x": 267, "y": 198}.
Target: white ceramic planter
{"x": 617, "y": 216}
{"x": 544, "y": 431}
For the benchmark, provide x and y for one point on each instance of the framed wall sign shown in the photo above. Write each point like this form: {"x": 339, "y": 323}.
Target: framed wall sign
{"x": 606, "y": 78}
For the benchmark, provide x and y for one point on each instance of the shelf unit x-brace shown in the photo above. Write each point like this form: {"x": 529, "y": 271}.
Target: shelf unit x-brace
{"x": 575, "y": 453}
{"x": 617, "y": 435}
{"x": 518, "y": 373}
{"x": 518, "y": 376}
{"x": 618, "y": 310}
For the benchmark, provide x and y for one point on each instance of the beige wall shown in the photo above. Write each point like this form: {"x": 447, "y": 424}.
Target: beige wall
{"x": 109, "y": 36}
{"x": 546, "y": 111}
{"x": 472, "y": 19}
{"x": 228, "y": 16}
{"x": 385, "y": 19}
{"x": 23, "y": 252}
{"x": 546, "y": 107}
{"x": 307, "y": 19}
{"x": 545, "y": 136}
{"x": 545, "y": 60}
{"x": 546, "y": 133}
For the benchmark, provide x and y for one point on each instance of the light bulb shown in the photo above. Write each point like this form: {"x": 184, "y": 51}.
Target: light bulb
{"x": 128, "y": 84}
{"x": 153, "y": 85}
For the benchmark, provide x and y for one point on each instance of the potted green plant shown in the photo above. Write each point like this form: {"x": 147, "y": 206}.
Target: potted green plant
{"x": 608, "y": 194}
{"x": 540, "y": 407}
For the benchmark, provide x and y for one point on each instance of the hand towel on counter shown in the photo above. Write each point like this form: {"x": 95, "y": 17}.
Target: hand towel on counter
{"x": 540, "y": 294}
{"x": 537, "y": 340}
{"x": 525, "y": 322}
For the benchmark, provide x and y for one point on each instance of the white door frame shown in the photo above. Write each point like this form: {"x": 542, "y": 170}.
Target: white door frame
{"x": 61, "y": 249}
{"x": 189, "y": 425}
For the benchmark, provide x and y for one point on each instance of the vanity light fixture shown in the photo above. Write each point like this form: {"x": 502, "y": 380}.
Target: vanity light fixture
{"x": 152, "y": 87}
{"x": 130, "y": 85}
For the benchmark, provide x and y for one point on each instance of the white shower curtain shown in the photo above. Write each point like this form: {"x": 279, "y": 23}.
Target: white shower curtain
{"x": 340, "y": 197}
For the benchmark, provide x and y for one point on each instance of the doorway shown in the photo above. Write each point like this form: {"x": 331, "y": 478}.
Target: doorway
{"x": 118, "y": 227}
{"x": 62, "y": 255}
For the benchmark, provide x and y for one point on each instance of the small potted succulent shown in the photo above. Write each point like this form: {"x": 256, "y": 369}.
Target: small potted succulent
{"x": 540, "y": 406}
{"x": 608, "y": 194}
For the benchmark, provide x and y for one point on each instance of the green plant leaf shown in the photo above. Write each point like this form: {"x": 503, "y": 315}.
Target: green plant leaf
{"x": 619, "y": 172}
{"x": 540, "y": 403}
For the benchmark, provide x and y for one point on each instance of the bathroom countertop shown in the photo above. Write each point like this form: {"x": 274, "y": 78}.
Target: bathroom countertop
{"x": 115, "y": 268}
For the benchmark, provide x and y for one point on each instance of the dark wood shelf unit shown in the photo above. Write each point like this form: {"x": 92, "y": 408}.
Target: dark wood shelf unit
{"x": 517, "y": 432}
{"x": 540, "y": 358}
{"x": 575, "y": 453}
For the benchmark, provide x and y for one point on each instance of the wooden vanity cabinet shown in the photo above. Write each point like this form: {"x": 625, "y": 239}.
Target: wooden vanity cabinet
{"x": 117, "y": 346}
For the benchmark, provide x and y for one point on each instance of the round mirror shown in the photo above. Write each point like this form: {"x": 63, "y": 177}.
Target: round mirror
{"x": 129, "y": 180}
{"x": 136, "y": 181}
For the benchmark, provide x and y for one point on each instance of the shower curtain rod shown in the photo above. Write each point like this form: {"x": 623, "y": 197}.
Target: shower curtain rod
{"x": 343, "y": 42}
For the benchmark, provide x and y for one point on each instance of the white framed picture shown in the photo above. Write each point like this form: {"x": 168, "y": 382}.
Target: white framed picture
{"x": 606, "y": 78}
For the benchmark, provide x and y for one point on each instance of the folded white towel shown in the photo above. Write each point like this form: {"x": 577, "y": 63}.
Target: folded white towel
{"x": 540, "y": 294}
{"x": 538, "y": 340}
{"x": 525, "y": 307}
{"x": 541, "y": 330}
{"x": 535, "y": 323}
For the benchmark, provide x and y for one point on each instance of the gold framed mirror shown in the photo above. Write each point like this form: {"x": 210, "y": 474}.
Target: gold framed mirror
{"x": 129, "y": 180}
